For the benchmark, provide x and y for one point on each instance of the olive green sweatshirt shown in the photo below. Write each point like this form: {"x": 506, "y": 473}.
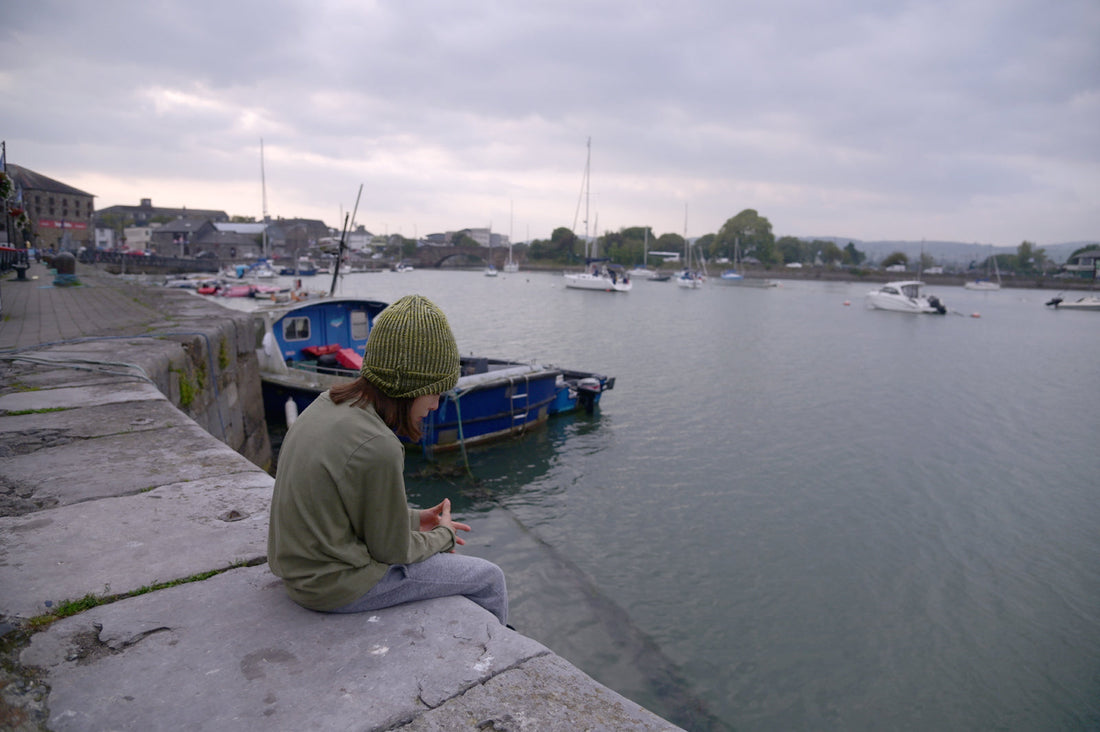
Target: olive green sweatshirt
{"x": 339, "y": 516}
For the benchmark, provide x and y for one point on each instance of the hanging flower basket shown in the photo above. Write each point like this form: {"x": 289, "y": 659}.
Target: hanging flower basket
{"x": 15, "y": 212}
{"x": 5, "y": 186}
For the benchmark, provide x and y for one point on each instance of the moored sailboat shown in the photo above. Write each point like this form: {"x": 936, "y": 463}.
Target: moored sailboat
{"x": 987, "y": 284}
{"x": 599, "y": 273}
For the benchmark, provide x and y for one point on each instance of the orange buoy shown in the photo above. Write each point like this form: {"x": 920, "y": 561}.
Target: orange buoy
{"x": 975, "y": 315}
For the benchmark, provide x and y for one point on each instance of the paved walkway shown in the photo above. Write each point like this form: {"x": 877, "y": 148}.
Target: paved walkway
{"x": 36, "y": 312}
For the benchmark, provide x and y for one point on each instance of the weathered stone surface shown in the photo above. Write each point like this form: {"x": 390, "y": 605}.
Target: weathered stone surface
{"x": 544, "y": 693}
{"x": 119, "y": 545}
{"x": 120, "y": 465}
{"x": 233, "y": 653}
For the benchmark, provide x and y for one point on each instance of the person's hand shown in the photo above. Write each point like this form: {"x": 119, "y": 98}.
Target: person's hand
{"x": 440, "y": 515}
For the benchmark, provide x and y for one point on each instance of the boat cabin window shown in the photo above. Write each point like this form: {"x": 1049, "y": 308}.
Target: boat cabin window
{"x": 890, "y": 290}
{"x": 296, "y": 329}
{"x": 360, "y": 326}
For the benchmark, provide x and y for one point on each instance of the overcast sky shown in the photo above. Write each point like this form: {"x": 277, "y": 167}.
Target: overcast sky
{"x": 959, "y": 120}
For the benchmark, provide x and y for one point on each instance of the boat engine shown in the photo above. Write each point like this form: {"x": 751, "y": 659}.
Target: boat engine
{"x": 587, "y": 389}
{"x": 935, "y": 303}
{"x": 1055, "y": 301}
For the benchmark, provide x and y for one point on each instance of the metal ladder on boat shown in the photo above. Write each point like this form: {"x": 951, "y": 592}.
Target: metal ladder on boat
{"x": 519, "y": 418}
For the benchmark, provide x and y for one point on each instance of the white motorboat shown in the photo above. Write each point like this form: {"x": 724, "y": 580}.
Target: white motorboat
{"x": 1088, "y": 302}
{"x": 904, "y": 296}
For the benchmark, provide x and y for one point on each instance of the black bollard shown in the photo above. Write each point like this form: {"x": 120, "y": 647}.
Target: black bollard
{"x": 65, "y": 266}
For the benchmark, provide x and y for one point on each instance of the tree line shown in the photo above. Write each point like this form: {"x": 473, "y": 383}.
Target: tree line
{"x": 748, "y": 237}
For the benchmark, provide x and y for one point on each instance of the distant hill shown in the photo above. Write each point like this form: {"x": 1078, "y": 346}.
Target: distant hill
{"x": 944, "y": 252}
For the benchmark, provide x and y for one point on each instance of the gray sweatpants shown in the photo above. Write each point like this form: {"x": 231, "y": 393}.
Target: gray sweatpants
{"x": 440, "y": 575}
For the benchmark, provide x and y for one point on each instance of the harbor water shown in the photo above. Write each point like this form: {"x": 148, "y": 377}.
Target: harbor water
{"x": 792, "y": 512}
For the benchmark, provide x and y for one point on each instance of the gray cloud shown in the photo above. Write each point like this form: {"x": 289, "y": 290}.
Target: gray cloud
{"x": 972, "y": 120}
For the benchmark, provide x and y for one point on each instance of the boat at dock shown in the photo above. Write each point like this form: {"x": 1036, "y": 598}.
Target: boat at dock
{"x": 310, "y": 346}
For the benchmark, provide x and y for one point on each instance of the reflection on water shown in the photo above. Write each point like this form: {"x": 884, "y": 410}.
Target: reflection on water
{"x": 559, "y": 603}
{"x": 803, "y": 513}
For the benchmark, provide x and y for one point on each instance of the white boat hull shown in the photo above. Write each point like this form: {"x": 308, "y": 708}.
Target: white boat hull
{"x": 982, "y": 285}
{"x": 603, "y": 283}
{"x": 904, "y": 297}
{"x": 690, "y": 281}
{"x": 1088, "y": 302}
{"x": 742, "y": 281}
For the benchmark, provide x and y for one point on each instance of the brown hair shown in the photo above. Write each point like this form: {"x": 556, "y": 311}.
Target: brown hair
{"x": 395, "y": 411}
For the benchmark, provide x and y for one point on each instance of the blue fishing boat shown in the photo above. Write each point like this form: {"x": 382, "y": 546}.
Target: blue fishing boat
{"x": 310, "y": 346}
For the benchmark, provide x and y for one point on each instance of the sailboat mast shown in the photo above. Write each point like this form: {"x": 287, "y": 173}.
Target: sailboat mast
{"x": 687, "y": 247}
{"x": 587, "y": 189}
{"x": 263, "y": 194}
{"x": 343, "y": 242}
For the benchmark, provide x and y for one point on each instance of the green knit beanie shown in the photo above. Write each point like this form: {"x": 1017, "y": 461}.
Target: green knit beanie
{"x": 411, "y": 351}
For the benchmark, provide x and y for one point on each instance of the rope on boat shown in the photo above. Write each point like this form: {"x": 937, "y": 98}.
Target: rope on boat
{"x": 462, "y": 437}
{"x": 455, "y": 396}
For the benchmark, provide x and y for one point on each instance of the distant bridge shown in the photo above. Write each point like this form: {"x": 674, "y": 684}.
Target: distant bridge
{"x": 435, "y": 257}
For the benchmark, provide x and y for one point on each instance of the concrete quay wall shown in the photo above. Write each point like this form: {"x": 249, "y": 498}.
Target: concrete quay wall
{"x": 149, "y": 532}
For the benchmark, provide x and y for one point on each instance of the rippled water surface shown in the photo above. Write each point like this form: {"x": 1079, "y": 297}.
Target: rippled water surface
{"x": 792, "y": 512}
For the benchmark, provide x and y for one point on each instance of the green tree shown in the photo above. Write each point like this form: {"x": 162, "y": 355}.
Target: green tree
{"x": 706, "y": 245}
{"x": 830, "y": 254}
{"x": 1029, "y": 258}
{"x": 791, "y": 249}
{"x": 670, "y": 243}
{"x": 633, "y": 245}
{"x": 895, "y": 258}
{"x": 753, "y": 233}
{"x": 564, "y": 244}
{"x": 852, "y": 255}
